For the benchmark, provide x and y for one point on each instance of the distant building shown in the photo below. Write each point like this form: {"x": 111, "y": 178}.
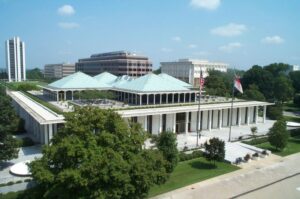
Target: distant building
{"x": 58, "y": 70}
{"x": 118, "y": 63}
{"x": 15, "y": 60}
{"x": 188, "y": 70}
{"x": 294, "y": 68}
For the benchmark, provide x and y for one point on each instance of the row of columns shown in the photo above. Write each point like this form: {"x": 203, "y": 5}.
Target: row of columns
{"x": 210, "y": 119}
{"x": 163, "y": 98}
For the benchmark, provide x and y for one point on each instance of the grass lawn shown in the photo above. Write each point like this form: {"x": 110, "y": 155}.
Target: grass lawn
{"x": 293, "y": 146}
{"x": 192, "y": 171}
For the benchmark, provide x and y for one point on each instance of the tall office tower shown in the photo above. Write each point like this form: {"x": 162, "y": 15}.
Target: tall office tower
{"x": 15, "y": 60}
{"x": 118, "y": 63}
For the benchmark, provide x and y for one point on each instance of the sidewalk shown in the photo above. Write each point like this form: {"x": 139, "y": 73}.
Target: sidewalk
{"x": 253, "y": 175}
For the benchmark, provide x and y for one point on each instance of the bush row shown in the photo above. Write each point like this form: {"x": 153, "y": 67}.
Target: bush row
{"x": 14, "y": 182}
{"x": 256, "y": 141}
{"x": 195, "y": 154}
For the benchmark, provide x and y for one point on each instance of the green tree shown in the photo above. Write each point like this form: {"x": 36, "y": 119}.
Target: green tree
{"x": 283, "y": 89}
{"x": 8, "y": 124}
{"x": 295, "y": 77}
{"x": 34, "y": 74}
{"x": 98, "y": 155}
{"x": 253, "y": 132}
{"x": 214, "y": 150}
{"x": 94, "y": 94}
{"x": 218, "y": 83}
{"x": 167, "y": 144}
{"x": 253, "y": 93}
{"x": 264, "y": 80}
{"x": 277, "y": 69}
{"x": 274, "y": 112}
{"x": 157, "y": 71}
{"x": 278, "y": 135}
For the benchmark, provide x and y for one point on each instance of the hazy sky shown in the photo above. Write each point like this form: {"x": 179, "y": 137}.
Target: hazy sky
{"x": 239, "y": 32}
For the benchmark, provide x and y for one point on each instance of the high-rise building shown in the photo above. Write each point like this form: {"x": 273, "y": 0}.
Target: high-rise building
{"x": 188, "y": 70}
{"x": 58, "y": 70}
{"x": 15, "y": 60}
{"x": 118, "y": 63}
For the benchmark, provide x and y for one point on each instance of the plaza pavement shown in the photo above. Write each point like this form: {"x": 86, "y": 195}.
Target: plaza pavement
{"x": 258, "y": 179}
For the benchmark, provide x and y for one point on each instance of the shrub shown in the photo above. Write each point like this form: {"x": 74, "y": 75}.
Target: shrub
{"x": 264, "y": 152}
{"x": 278, "y": 135}
{"x": 238, "y": 160}
{"x": 257, "y": 141}
{"x": 195, "y": 154}
{"x": 214, "y": 150}
{"x": 247, "y": 157}
{"x": 274, "y": 112}
{"x": 25, "y": 142}
{"x": 255, "y": 155}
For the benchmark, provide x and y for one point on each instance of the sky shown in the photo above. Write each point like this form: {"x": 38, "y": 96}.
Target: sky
{"x": 241, "y": 33}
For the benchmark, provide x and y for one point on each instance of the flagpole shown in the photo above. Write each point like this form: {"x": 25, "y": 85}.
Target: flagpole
{"x": 198, "y": 113}
{"x": 231, "y": 109}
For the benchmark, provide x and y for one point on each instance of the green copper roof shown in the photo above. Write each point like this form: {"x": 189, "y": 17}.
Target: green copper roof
{"x": 78, "y": 80}
{"x": 106, "y": 78}
{"x": 122, "y": 80}
{"x": 174, "y": 80}
{"x": 151, "y": 83}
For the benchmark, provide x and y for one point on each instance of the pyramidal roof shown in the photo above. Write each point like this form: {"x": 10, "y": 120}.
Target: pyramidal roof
{"x": 175, "y": 80}
{"x": 105, "y": 77}
{"x": 151, "y": 83}
{"x": 77, "y": 80}
{"x": 121, "y": 80}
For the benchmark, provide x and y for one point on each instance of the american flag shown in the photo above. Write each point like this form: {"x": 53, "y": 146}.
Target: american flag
{"x": 202, "y": 80}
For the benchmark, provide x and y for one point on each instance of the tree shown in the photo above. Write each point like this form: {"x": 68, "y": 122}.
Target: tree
{"x": 283, "y": 89}
{"x": 214, "y": 150}
{"x": 278, "y": 135}
{"x": 253, "y": 93}
{"x": 157, "y": 71}
{"x": 34, "y": 74}
{"x": 277, "y": 69}
{"x": 274, "y": 112}
{"x": 98, "y": 155}
{"x": 94, "y": 94}
{"x": 295, "y": 77}
{"x": 253, "y": 132}
{"x": 218, "y": 83}
{"x": 8, "y": 124}
{"x": 166, "y": 143}
{"x": 264, "y": 79}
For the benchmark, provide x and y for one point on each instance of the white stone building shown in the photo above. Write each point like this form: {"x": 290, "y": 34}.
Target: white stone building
{"x": 188, "y": 70}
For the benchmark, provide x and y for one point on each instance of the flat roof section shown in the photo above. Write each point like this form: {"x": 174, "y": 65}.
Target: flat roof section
{"x": 41, "y": 113}
{"x": 189, "y": 108}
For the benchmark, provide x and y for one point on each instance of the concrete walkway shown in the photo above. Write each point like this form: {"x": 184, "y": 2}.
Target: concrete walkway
{"x": 253, "y": 176}
{"x": 17, "y": 187}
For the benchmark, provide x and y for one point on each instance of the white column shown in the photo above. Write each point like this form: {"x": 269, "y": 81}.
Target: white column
{"x": 45, "y": 134}
{"x": 145, "y": 123}
{"x": 172, "y": 98}
{"x": 57, "y": 96}
{"x": 184, "y": 98}
{"x": 239, "y": 115}
{"x": 72, "y": 95}
{"x": 140, "y": 99}
{"x": 220, "y": 118}
{"x": 50, "y": 133}
{"x": 147, "y": 99}
{"x": 186, "y": 122}
{"x": 256, "y": 114}
{"x": 160, "y": 123}
{"x": 248, "y": 116}
{"x": 264, "y": 114}
{"x": 178, "y": 101}
{"x": 190, "y": 97}
{"x": 160, "y": 96}
{"x": 209, "y": 120}
{"x": 174, "y": 122}
{"x": 65, "y": 95}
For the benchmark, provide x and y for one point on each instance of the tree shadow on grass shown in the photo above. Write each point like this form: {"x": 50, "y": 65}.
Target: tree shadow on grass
{"x": 202, "y": 165}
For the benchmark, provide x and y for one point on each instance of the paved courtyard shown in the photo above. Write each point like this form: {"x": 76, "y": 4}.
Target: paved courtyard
{"x": 25, "y": 153}
{"x": 265, "y": 178}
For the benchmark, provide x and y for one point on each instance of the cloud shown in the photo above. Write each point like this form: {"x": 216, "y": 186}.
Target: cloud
{"x": 230, "y": 47}
{"x": 176, "y": 38}
{"x": 68, "y": 25}
{"x": 272, "y": 40}
{"x": 192, "y": 46}
{"x": 166, "y": 50}
{"x": 66, "y": 10}
{"x": 206, "y": 4}
{"x": 229, "y": 30}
